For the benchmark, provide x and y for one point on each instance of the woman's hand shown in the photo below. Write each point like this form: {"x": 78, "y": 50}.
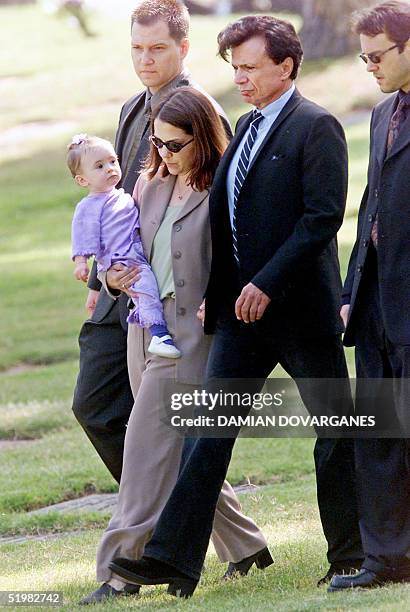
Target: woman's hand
{"x": 201, "y": 313}
{"x": 121, "y": 278}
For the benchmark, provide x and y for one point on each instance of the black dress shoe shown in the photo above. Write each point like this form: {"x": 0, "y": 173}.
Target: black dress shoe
{"x": 262, "y": 559}
{"x": 151, "y": 571}
{"x": 366, "y": 579}
{"x": 106, "y": 591}
{"x": 339, "y": 568}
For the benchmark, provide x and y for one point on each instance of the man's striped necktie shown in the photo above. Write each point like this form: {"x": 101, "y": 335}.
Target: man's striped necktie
{"x": 242, "y": 171}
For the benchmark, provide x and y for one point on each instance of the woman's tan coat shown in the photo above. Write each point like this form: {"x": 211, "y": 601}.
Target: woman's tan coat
{"x": 191, "y": 262}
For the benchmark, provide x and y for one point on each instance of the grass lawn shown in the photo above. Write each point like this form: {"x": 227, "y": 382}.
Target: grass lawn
{"x": 288, "y": 516}
{"x": 57, "y": 84}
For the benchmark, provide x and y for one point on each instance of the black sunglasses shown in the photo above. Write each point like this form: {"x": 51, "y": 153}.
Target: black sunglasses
{"x": 171, "y": 145}
{"x": 376, "y": 56}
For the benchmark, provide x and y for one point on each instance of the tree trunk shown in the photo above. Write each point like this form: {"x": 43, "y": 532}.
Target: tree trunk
{"x": 326, "y": 30}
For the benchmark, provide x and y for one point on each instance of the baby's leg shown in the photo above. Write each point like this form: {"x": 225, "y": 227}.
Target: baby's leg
{"x": 148, "y": 310}
{"x": 149, "y": 313}
{"x": 148, "y": 307}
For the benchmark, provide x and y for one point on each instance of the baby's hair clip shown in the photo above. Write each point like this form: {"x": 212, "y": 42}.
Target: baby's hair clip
{"x": 79, "y": 139}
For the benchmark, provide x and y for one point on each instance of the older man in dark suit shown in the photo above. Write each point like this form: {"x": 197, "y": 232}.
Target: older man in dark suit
{"x": 276, "y": 204}
{"x": 376, "y": 305}
{"x": 103, "y": 397}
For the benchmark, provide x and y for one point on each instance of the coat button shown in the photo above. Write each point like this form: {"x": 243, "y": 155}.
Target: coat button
{"x": 360, "y": 268}
{"x": 180, "y": 283}
{"x": 177, "y": 254}
{"x": 365, "y": 243}
{"x": 178, "y": 228}
{"x": 371, "y": 218}
{"x": 181, "y": 311}
{"x": 376, "y": 193}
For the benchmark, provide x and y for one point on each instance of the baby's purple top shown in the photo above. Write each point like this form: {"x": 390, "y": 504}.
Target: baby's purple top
{"x": 104, "y": 225}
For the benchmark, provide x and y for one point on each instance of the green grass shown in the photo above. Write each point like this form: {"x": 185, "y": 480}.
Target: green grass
{"x": 28, "y": 421}
{"x": 57, "y": 467}
{"x": 57, "y": 463}
{"x": 23, "y": 524}
{"x": 52, "y": 383}
{"x": 63, "y": 465}
{"x": 288, "y": 516}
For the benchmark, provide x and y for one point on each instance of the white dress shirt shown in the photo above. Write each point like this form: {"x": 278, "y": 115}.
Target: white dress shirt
{"x": 270, "y": 114}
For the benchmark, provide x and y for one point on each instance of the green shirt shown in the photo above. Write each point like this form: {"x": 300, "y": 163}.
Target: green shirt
{"x": 161, "y": 262}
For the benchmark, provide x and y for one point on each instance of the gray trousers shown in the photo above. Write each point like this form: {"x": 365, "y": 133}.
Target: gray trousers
{"x": 152, "y": 455}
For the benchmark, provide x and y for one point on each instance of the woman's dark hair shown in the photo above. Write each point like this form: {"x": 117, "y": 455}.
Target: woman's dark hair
{"x": 280, "y": 36}
{"x": 391, "y": 18}
{"x": 191, "y": 111}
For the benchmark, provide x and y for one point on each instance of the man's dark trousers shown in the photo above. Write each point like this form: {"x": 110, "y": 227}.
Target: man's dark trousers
{"x": 242, "y": 351}
{"x": 383, "y": 475}
{"x": 102, "y": 398}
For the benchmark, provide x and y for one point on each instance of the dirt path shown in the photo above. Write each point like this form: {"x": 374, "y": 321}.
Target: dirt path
{"x": 90, "y": 503}
{"x": 8, "y": 444}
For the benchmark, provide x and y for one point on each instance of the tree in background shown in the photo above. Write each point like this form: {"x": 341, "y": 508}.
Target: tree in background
{"x": 326, "y": 30}
{"x": 76, "y": 9}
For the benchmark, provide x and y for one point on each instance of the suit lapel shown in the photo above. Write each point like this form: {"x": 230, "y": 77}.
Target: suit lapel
{"x": 155, "y": 198}
{"x": 194, "y": 200}
{"x": 403, "y": 137}
{"x": 219, "y": 185}
{"x": 232, "y": 147}
{"x": 381, "y": 131}
{"x": 289, "y": 107}
{"x": 219, "y": 182}
{"x": 124, "y": 126}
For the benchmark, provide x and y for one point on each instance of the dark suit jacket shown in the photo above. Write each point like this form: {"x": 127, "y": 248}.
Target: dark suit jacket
{"x": 117, "y": 309}
{"x": 388, "y": 192}
{"x": 290, "y": 208}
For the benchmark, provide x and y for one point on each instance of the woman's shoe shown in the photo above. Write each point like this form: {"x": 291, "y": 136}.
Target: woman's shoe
{"x": 262, "y": 559}
{"x": 150, "y": 571}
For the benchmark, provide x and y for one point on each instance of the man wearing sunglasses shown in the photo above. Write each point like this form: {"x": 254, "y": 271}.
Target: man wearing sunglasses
{"x": 376, "y": 301}
{"x": 103, "y": 399}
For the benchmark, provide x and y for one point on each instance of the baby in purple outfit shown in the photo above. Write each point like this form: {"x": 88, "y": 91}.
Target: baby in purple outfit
{"x": 106, "y": 225}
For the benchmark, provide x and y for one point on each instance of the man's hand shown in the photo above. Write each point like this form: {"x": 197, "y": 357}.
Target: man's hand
{"x": 344, "y": 313}
{"x": 201, "y": 313}
{"x": 251, "y": 304}
{"x": 91, "y": 301}
{"x": 121, "y": 278}
{"x": 81, "y": 271}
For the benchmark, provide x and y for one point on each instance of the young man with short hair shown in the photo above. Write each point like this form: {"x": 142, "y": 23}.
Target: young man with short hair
{"x": 376, "y": 300}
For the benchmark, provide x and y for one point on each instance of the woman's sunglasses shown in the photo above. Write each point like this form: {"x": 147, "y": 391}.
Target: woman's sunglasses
{"x": 171, "y": 145}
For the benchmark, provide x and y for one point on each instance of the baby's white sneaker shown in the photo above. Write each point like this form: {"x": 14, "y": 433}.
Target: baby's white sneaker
{"x": 158, "y": 346}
